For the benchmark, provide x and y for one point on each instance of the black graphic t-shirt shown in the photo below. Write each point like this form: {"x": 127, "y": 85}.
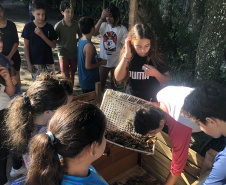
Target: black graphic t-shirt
{"x": 141, "y": 85}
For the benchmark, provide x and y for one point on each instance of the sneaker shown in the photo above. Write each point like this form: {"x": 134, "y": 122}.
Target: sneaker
{"x": 15, "y": 173}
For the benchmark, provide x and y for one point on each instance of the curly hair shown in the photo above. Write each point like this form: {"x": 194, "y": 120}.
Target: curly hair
{"x": 205, "y": 101}
{"x": 46, "y": 93}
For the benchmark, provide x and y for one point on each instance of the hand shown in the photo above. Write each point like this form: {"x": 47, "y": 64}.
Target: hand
{"x": 31, "y": 68}
{"x": 105, "y": 13}
{"x": 104, "y": 62}
{"x": 14, "y": 80}
{"x": 128, "y": 47}
{"x": 4, "y": 73}
{"x": 149, "y": 70}
{"x": 39, "y": 32}
{"x": 11, "y": 62}
{"x": 9, "y": 59}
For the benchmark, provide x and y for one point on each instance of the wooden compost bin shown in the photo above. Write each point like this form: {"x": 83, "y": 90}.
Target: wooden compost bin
{"x": 120, "y": 160}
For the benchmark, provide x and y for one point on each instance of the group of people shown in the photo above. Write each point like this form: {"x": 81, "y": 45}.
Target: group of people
{"x": 58, "y": 139}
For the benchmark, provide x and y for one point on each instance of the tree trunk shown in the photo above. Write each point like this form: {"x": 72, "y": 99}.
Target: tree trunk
{"x": 133, "y": 8}
{"x": 211, "y": 42}
{"x": 197, "y": 8}
{"x": 149, "y": 14}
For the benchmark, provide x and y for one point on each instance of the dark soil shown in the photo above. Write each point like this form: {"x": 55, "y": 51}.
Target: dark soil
{"x": 144, "y": 179}
{"x": 143, "y": 143}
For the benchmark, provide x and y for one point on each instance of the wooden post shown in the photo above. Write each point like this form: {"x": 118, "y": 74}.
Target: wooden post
{"x": 133, "y": 9}
{"x": 99, "y": 94}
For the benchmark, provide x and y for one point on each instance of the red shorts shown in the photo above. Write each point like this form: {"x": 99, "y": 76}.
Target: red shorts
{"x": 68, "y": 65}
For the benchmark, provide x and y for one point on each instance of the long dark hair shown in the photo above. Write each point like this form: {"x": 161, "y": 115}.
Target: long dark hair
{"x": 142, "y": 31}
{"x": 46, "y": 93}
{"x": 74, "y": 127}
{"x": 115, "y": 14}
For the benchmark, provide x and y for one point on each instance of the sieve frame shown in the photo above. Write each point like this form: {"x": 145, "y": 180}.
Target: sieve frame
{"x": 128, "y": 105}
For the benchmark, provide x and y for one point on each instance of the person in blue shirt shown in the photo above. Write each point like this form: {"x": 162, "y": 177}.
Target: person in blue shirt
{"x": 207, "y": 106}
{"x": 76, "y": 133}
{"x": 88, "y": 63}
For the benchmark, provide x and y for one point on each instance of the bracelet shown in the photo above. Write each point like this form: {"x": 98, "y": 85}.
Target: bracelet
{"x": 126, "y": 58}
{"x": 102, "y": 19}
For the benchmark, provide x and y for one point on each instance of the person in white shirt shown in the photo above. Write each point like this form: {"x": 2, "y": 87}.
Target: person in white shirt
{"x": 113, "y": 36}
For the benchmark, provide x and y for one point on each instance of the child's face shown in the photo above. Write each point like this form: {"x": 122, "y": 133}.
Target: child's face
{"x": 156, "y": 131}
{"x": 110, "y": 19}
{"x": 100, "y": 148}
{"x": 211, "y": 127}
{"x": 39, "y": 15}
{"x": 68, "y": 14}
{"x": 142, "y": 46}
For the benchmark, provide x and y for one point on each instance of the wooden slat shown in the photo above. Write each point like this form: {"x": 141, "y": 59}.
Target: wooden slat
{"x": 187, "y": 173}
{"x": 85, "y": 97}
{"x": 193, "y": 156}
{"x": 194, "y": 161}
{"x": 164, "y": 138}
{"x": 163, "y": 170}
{"x": 153, "y": 172}
{"x": 119, "y": 166}
{"x": 116, "y": 154}
{"x": 99, "y": 94}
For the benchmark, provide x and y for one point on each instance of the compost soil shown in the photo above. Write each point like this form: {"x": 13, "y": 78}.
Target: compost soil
{"x": 143, "y": 143}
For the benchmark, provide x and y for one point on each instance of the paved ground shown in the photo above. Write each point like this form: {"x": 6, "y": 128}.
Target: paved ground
{"x": 16, "y": 11}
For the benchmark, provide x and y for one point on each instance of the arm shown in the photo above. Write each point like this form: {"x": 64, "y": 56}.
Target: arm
{"x": 39, "y": 32}
{"x": 120, "y": 71}
{"x": 208, "y": 162}
{"x": 88, "y": 52}
{"x": 27, "y": 56}
{"x": 104, "y": 14}
{"x": 180, "y": 136}
{"x": 9, "y": 88}
{"x": 161, "y": 77}
{"x": 14, "y": 39}
{"x": 12, "y": 52}
{"x": 171, "y": 179}
{"x": 217, "y": 175}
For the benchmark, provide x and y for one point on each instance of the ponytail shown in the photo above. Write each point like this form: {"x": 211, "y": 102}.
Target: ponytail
{"x": 46, "y": 93}
{"x": 19, "y": 123}
{"x": 45, "y": 167}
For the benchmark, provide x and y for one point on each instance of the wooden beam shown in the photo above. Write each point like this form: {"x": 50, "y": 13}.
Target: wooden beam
{"x": 99, "y": 94}
{"x": 133, "y": 9}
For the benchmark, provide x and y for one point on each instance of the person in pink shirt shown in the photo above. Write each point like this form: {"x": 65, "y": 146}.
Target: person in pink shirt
{"x": 151, "y": 120}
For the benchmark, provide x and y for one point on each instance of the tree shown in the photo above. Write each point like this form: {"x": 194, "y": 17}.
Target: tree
{"x": 192, "y": 33}
{"x": 211, "y": 42}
